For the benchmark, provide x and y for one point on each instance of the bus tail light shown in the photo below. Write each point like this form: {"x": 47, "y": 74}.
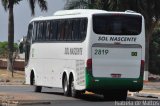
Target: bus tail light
{"x": 89, "y": 64}
{"x": 142, "y": 68}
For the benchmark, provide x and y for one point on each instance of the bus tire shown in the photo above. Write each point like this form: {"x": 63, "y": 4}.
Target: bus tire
{"x": 32, "y": 78}
{"x": 74, "y": 92}
{"x": 38, "y": 88}
{"x": 32, "y": 82}
{"x": 65, "y": 86}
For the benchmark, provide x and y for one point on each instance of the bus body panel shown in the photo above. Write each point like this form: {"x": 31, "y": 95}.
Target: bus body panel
{"x": 101, "y": 84}
{"x": 122, "y": 61}
{"x": 49, "y": 64}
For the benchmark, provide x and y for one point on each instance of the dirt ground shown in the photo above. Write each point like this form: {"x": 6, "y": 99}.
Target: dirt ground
{"x": 6, "y": 77}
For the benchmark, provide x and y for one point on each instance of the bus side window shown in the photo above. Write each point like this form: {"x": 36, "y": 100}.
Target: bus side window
{"x": 54, "y": 30}
{"x": 44, "y": 29}
{"x": 34, "y": 31}
{"x": 66, "y": 30}
{"x": 40, "y": 31}
{"x": 37, "y": 31}
{"x": 61, "y": 28}
{"x": 58, "y": 30}
{"x": 51, "y": 30}
{"x": 48, "y": 30}
{"x": 83, "y": 29}
{"x": 70, "y": 31}
{"x": 76, "y": 31}
{"x": 30, "y": 31}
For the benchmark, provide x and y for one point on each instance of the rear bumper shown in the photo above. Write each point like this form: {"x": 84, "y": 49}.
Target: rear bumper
{"x": 104, "y": 84}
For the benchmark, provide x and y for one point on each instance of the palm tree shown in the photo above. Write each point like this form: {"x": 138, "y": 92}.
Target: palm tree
{"x": 9, "y": 5}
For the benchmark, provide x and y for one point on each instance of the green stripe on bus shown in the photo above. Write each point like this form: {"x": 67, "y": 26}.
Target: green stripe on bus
{"x": 132, "y": 84}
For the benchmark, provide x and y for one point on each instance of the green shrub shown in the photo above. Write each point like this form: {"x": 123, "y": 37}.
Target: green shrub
{"x": 4, "y": 49}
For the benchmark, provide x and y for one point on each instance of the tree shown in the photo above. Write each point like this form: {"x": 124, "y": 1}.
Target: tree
{"x": 4, "y": 47}
{"x": 9, "y": 5}
{"x": 83, "y": 4}
{"x": 154, "y": 61}
{"x": 87, "y": 4}
{"x": 150, "y": 9}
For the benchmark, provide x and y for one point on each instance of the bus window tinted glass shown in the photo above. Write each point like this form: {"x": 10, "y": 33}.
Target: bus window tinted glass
{"x": 120, "y": 24}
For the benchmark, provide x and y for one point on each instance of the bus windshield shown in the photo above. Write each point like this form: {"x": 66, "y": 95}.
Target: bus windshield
{"x": 117, "y": 24}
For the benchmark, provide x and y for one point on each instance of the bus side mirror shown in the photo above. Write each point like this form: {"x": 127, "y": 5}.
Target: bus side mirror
{"x": 21, "y": 48}
{"x": 22, "y": 45}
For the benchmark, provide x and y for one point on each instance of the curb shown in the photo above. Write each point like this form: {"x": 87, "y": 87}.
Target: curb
{"x": 15, "y": 102}
{"x": 13, "y": 85}
{"x": 147, "y": 95}
{"x": 34, "y": 103}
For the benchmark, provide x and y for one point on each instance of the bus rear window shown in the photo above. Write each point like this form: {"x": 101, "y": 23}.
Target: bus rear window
{"x": 120, "y": 24}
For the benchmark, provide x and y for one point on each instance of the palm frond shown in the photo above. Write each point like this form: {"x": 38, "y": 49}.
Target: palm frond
{"x": 42, "y": 4}
{"x": 74, "y": 4}
{"x": 5, "y": 4}
{"x": 32, "y": 6}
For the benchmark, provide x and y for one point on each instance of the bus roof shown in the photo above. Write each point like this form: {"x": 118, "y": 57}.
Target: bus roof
{"x": 87, "y": 11}
{"x": 80, "y": 12}
{"x": 77, "y": 11}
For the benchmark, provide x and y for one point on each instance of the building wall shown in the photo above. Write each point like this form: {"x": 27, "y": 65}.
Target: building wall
{"x": 17, "y": 65}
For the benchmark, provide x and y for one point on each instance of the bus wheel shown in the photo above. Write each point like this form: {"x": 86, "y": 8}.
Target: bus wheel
{"x": 65, "y": 86}
{"x": 37, "y": 88}
{"x": 74, "y": 92}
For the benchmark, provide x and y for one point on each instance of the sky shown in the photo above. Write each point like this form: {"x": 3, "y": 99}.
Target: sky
{"x": 22, "y": 16}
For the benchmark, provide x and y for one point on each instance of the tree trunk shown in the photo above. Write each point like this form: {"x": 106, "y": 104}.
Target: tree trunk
{"x": 10, "y": 37}
{"x": 147, "y": 51}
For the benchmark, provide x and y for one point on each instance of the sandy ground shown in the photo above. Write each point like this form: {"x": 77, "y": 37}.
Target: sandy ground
{"x": 7, "y": 79}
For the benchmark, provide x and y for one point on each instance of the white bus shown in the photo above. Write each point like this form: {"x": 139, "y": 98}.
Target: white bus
{"x": 87, "y": 50}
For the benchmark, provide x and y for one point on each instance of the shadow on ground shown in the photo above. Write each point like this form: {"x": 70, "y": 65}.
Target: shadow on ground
{"x": 90, "y": 97}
